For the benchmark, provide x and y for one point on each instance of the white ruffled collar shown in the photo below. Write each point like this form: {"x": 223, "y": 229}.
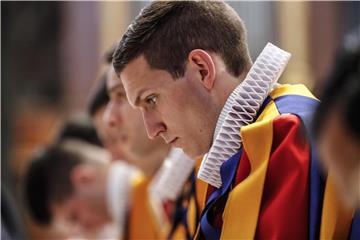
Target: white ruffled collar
{"x": 240, "y": 110}
{"x": 118, "y": 189}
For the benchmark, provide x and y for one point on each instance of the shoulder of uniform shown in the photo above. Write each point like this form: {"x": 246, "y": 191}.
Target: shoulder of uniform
{"x": 291, "y": 89}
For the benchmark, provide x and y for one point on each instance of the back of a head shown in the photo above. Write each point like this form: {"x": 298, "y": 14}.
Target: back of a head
{"x": 81, "y": 129}
{"x": 342, "y": 92}
{"x": 165, "y": 32}
{"x": 47, "y": 181}
{"x": 108, "y": 55}
{"x": 99, "y": 97}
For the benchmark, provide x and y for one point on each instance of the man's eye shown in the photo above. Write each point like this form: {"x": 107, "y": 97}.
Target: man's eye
{"x": 151, "y": 100}
{"x": 119, "y": 97}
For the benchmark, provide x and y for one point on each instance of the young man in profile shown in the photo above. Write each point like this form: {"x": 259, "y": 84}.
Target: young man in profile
{"x": 181, "y": 64}
{"x": 137, "y": 147}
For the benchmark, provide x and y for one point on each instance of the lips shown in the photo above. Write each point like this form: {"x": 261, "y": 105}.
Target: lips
{"x": 169, "y": 140}
{"x": 173, "y": 141}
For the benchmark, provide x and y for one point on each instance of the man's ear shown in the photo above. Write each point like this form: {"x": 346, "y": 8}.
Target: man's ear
{"x": 82, "y": 176}
{"x": 204, "y": 64}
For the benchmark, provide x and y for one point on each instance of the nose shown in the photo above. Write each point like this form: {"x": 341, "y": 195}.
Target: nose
{"x": 112, "y": 116}
{"x": 154, "y": 126}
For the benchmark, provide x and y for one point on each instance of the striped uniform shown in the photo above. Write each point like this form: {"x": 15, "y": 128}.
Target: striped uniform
{"x": 274, "y": 188}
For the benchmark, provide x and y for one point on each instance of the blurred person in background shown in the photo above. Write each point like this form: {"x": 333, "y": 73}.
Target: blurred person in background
{"x": 337, "y": 121}
{"x": 96, "y": 107}
{"x": 74, "y": 187}
{"x": 79, "y": 127}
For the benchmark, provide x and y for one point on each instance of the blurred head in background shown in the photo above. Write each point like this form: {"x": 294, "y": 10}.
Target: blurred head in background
{"x": 80, "y": 128}
{"x": 65, "y": 187}
{"x": 337, "y": 121}
{"x": 96, "y": 108}
{"x": 74, "y": 186}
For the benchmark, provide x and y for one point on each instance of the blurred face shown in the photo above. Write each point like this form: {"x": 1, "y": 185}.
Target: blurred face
{"x": 340, "y": 153}
{"x": 180, "y": 111}
{"x": 108, "y": 136}
{"x": 78, "y": 216}
{"x": 127, "y": 123}
{"x": 85, "y": 210}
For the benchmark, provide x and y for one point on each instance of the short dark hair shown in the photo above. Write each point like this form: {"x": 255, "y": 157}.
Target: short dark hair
{"x": 108, "y": 55}
{"x": 80, "y": 129}
{"x": 99, "y": 97}
{"x": 47, "y": 180}
{"x": 342, "y": 91}
{"x": 165, "y": 32}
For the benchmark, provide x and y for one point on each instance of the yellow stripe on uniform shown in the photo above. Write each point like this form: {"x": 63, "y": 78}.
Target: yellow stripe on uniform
{"x": 245, "y": 198}
{"x": 142, "y": 223}
{"x": 287, "y": 89}
{"x": 336, "y": 218}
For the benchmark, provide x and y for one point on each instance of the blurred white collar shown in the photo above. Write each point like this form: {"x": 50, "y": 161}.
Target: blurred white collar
{"x": 118, "y": 192}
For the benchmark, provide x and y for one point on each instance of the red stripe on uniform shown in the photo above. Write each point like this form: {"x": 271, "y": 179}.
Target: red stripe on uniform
{"x": 284, "y": 207}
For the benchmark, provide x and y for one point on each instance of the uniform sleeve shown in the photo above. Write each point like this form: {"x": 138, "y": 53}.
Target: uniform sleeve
{"x": 284, "y": 206}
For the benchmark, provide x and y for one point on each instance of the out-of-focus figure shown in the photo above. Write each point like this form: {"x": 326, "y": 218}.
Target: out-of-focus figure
{"x": 96, "y": 108}
{"x": 337, "y": 121}
{"x": 73, "y": 186}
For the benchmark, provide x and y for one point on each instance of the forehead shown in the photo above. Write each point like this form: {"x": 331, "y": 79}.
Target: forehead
{"x": 138, "y": 77}
{"x": 112, "y": 80}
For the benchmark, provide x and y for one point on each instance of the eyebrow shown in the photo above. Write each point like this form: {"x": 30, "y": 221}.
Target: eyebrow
{"x": 138, "y": 99}
{"x": 111, "y": 89}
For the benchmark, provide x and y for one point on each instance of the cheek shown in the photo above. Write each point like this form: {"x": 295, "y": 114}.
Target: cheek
{"x": 88, "y": 211}
{"x": 177, "y": 107}
{"x": 325, "y": 153}
{"x": 188, "y": 111}
{"x": 127, "y": 112}
{"x": 329, "y": 147}
{"x": 348, "y": 164}
{"x": 135, "y": 120}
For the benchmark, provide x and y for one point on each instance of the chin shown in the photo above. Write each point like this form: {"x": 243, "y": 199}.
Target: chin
{"x": 193, "y": 153}
{"x": 347, "y": 186}
{"x": 350, "y": 199}
{"x": 354, "y": 189}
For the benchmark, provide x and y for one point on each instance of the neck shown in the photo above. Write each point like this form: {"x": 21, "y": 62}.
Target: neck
{"x": 225, "y": 83}
{"x": 225, "y": 88}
